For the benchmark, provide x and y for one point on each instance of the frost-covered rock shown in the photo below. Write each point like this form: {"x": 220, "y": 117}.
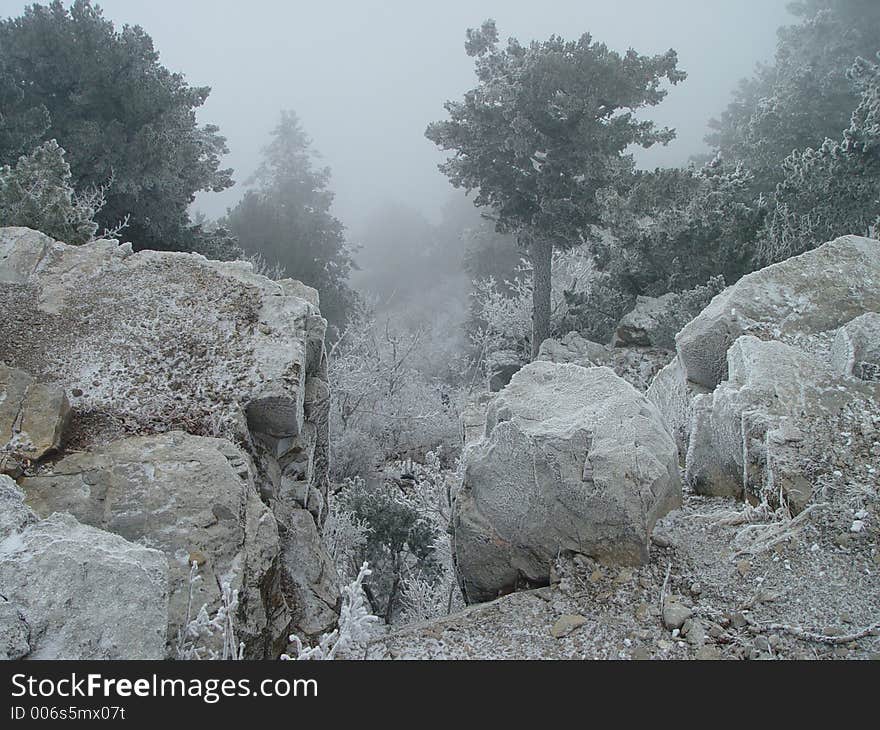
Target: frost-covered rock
{"x": 856, "y": 348}
{"x": 574, "y": 349}
{"x": 75, "y": 592}
{"x": 673, "y": 395}
{"x": 638, "y": 327}
{"x": 573, "y": 459}
{"x": 308, "y": 574}
{"x": 153, "y": 342}
{"x": 32, "y": 418}
{"x": 770, "y": 423}
{"x": 817, "y": 291}
{"x": 192, "y": 498}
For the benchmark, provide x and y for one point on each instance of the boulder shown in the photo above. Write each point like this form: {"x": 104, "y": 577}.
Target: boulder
{"x": 191, "y": 497}
{"x": 75, "y": 592}
{"x": 639, "y": 327}
{"x": 771, "y": 424}
{"x": 856, "y": 348}
{"x": 572, "y": 459}
{"x": 32, "y": 419}
{"x": 573, "y": 349}
{"x": 815, "y": 292}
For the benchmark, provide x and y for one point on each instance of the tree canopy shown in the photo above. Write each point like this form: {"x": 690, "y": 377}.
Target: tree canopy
{"x": 126, "y": 121}
{"x": 285, "y": 217}
{"x": 544, "y": 131}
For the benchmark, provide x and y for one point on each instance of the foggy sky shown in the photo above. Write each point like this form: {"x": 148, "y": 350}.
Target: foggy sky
{"x": 367, "y": 77}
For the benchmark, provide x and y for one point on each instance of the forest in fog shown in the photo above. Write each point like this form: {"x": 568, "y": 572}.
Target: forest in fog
{"x": 535, "y": 213}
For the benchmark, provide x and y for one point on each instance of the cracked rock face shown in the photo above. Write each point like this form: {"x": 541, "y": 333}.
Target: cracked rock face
{"x": 815, "y": 292}
{"x": 573, "y": 459}
{"x": 32, "y": 419}
{"x": 856, "y": 348}
{"x": 194, "y": 499}
{"x": 765, "y": 425}
{"x": 150, "y": 347}
{"x": 76, "y": 592}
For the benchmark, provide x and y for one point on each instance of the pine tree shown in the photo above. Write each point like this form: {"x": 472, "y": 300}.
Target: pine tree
{"x": 545, "y": 129}
{"x": 285, "y": 217}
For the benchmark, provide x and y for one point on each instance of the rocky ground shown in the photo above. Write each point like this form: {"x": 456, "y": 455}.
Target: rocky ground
{"x": 810, "y": 596}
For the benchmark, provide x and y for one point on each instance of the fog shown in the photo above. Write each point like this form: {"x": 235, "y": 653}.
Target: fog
{"x": 367, "y": 77}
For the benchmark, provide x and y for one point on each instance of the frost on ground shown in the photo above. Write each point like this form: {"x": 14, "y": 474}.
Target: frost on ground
{"x": 807, "y": 597}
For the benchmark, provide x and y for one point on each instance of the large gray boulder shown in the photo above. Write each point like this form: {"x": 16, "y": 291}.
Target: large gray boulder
{"x": 191, "y": 497}
{"x": 70, "y": 591}
{"x": 856, "y": 348}
{"x": 770, "y": 424}
{"x": 817, "y": 291}
{"x": 573, "y": 459}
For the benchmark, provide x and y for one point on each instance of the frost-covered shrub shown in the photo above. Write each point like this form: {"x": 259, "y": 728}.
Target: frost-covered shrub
{"x": 199, "y": 630}
{"x": 353, "y": 631}
{"x": 502, "y": 311}
{"x": 353, "y": 454}
{"x": 382, "y": 390}
{"x": 37, "y": 193}
{"x": 344, "y": 536}
{"x": 399, "y": 540}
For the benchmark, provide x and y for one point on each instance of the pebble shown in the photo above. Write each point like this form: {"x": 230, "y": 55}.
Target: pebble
{"x": 675, "y": 614}
{"x": 566, "y": 624}
{"x": 743, "y": 567}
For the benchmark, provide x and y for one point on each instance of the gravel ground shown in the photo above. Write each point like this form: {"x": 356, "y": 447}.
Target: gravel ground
{"x": 824, "y": 580}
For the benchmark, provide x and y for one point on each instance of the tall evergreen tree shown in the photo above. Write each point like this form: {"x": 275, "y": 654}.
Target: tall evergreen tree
{"x": 544, "y": 130}
{"x": 285, "y": 217}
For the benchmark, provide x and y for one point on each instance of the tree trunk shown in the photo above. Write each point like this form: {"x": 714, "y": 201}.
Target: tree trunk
{"x": 542, "y": 258}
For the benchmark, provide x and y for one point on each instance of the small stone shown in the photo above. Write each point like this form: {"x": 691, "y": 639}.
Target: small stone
{"x": 738, "y": 620}
{"x": 696, "y": 633}
{"x": 641, "y": 654}
{"x": 762, "y": 643}
{"x": 661, "y": 541}
{"x": 596, "y": 576}
{"x": 624, "y": 576}
{"x": 197, "y": 557}
{"x": 696, "y": 589}
{"x": 566, "y": 624}
{"x": 743, "y": 567}
{"x": 642, "y": 612}
{"x": 707, "y": 653}
{"x": 664, "y": 645}
{"x": 843, "y": 539}
{"x": 675, "y": 614}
